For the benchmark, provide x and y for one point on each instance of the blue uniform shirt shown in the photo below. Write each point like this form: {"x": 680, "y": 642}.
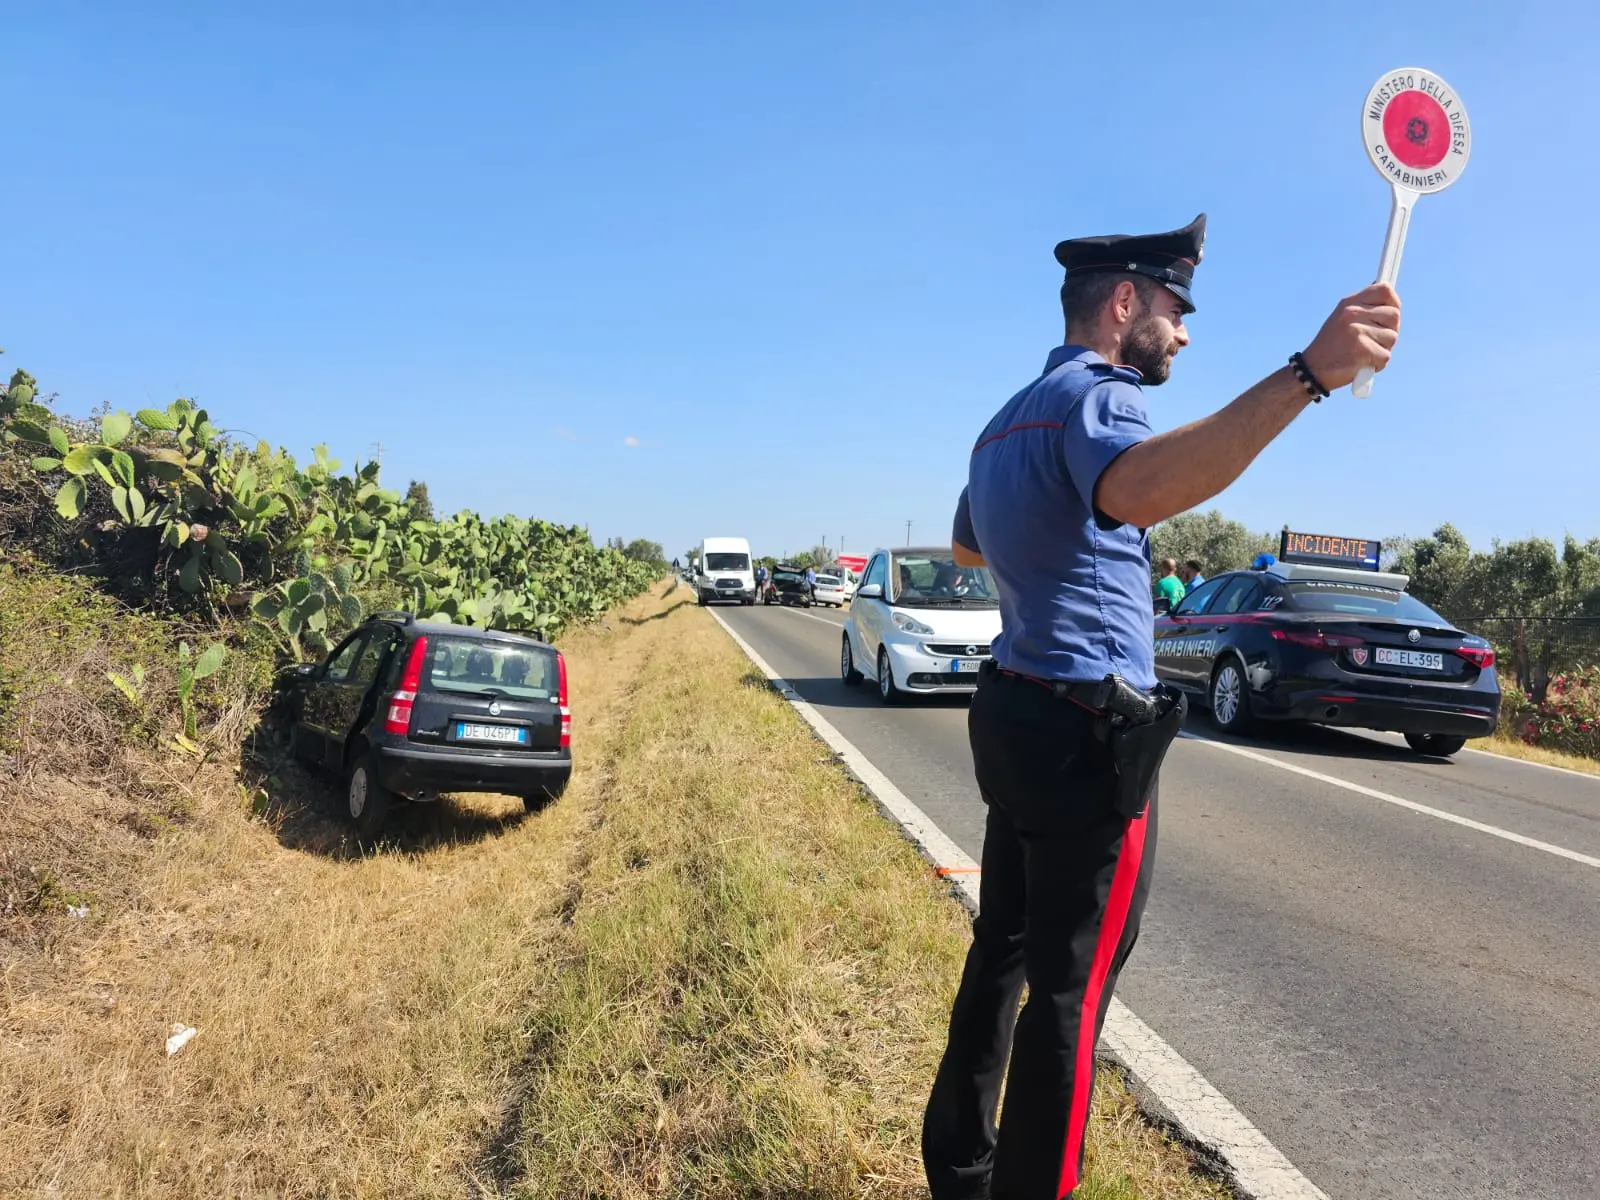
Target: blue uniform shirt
{"x": 1074, "y": 589}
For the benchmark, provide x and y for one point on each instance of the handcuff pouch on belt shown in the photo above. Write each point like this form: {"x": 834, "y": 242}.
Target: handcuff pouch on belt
{"x": 1139, "y": 727}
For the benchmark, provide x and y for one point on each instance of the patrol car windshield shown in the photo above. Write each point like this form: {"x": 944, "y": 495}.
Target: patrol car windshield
{"x": 488, "y": 669}
{"x": 1360, "y": 600}
{"x": 933, "y": 580}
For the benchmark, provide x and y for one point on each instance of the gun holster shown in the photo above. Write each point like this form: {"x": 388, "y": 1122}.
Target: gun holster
{"x": 1138, "y": 727}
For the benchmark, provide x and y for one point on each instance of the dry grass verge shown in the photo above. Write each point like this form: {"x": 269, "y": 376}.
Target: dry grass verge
{"x": 710, "y": 970}
{"x": 755, "y": 986}
{"x": 1512, "y": 747}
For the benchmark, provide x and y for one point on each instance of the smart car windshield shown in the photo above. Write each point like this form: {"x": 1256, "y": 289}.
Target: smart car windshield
{"x": 931, "y": 579}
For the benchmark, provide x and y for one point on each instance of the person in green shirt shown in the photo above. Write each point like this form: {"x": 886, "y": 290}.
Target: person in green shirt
{"x": 1169, "y": 587}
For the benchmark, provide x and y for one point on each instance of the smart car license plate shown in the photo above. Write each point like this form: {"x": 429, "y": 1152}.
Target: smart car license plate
{"x": 965, "y": 666}
{"x": 468, "y": 732}
{"x": 1426, "y": 660}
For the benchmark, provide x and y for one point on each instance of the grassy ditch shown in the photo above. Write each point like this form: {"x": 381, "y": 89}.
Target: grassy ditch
{"x": 710, "y": 970}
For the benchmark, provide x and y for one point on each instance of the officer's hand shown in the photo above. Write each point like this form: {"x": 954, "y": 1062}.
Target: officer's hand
{"x": 1361, "y": 333}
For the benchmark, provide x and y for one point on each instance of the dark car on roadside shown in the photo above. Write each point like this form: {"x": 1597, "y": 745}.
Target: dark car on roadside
{"x": 407, "y": 709}
{"x": 1331, "y": 646}
{"x": 789, "y": 586}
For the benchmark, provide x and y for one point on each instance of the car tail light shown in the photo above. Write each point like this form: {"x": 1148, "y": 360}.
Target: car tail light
{"x": 1481, "y": 657}
{"x": 1316, "y": 639}
{"x": 561, "y": 698}
{"x": 398, "y": 719}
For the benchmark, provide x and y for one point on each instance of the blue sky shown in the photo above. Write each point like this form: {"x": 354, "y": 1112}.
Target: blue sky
{"x": 689, "y": 269}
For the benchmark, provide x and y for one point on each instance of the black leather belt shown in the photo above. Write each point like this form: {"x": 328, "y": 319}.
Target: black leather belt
{"x": 1091, "y": 696}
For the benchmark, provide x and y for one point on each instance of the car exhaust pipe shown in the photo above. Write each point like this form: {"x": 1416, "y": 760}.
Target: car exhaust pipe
{"x": 1331, "y": 713}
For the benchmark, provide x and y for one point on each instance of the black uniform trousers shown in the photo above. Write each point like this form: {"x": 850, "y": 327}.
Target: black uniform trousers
{"x": 1063, "y": 887}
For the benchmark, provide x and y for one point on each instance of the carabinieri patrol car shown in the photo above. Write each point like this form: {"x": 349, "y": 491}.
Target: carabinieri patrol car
{"x": 1322, "y": 635}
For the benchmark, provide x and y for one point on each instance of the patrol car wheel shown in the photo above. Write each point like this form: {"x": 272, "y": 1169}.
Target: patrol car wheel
{"x": 888, "y": 691}
{"x": 847, "y": 664}
{"x": 1436, "y": 744}
{"x": 1230, "y": 697}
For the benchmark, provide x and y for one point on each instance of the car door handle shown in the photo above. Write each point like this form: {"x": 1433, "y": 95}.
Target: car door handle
{"x": 1219, "y": 629}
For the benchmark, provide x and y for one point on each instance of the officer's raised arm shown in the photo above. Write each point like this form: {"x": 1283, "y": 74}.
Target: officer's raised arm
{"x": 1172, "y": 472}
{"x": 963, "y": 538}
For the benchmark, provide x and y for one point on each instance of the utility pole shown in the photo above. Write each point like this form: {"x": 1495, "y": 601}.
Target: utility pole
{"x": 908, "y": 533}
{"x": 378, "y": 448}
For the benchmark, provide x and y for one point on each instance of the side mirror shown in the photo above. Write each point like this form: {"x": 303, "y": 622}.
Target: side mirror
{"x": 872, "y": 591}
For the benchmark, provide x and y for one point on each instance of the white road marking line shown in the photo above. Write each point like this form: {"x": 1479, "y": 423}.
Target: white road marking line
{"x": 1587, "y": 860}
{"x": 800, "y": 612}
{"x": 1259, "y": 1169}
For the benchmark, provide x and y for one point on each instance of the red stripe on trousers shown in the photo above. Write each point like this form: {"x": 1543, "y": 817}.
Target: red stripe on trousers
{"x": 1105, "y": 953}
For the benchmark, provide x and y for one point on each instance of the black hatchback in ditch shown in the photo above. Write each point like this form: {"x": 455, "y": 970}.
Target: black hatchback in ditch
{"x": 1331, "y": 646}
{"x": 407, "y": 709}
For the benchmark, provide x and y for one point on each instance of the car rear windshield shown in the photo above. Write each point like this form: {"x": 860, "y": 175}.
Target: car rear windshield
{"x": 491, "y": 668}
{"x": 1360, "y": 600}
{"x": 727, "y": 562}
{"x": 827, "y": 581}
{"x": 933, "y": 580}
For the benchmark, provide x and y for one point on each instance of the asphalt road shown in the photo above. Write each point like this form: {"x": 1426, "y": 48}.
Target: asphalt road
{"x": 1405, "y": 1006}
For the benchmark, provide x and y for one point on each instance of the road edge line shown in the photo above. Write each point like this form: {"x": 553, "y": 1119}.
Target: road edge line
{"x": 1506, "y": 835}
{"x": 1170, "y": 1090}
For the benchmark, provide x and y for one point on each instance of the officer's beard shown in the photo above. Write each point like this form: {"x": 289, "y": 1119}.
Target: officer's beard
{"x": 1149, "y": 351}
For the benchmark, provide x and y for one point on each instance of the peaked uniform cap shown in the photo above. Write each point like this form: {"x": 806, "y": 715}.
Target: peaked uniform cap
{"x": 1168, "y": 258}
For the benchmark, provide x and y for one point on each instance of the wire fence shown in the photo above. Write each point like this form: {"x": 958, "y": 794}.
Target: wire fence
{"x": 1533, "y": 650}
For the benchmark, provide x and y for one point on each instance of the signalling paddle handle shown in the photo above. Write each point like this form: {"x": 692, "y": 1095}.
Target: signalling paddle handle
{"x": 1394, "y": 245}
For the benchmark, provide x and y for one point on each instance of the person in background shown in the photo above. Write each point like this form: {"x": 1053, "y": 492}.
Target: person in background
{"x": 811, "y": 584}
{"x": 1190, "y": 574}
{"x": 1169, "y": 587}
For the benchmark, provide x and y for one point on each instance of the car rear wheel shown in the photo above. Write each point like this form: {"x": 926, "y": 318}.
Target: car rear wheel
{"x": 888, "y": 691}
{"x": 1230, "y": 698}
{"x": 1438, "y": 745}
{"x": 847, "y": 663}
{"x": 543, "y": 798}
{"x": 367, "y": 802}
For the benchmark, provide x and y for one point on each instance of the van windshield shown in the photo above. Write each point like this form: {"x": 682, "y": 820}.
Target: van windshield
{"x": 724, "y": 561}
{"x": 491, "y": 669}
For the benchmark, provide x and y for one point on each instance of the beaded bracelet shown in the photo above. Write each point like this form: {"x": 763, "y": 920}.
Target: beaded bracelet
{"x": 1310, "y": 382}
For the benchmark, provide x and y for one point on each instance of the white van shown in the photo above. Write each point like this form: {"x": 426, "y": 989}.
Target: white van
{"x": 724, "y": 571}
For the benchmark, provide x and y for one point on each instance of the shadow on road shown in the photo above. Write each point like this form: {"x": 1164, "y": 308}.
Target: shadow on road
{"x": 829, "y": 691}
{"x": 1321, "y": 741}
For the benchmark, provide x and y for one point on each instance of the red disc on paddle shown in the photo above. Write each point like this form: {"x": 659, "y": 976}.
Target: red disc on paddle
{"x": 1417, "y": 130}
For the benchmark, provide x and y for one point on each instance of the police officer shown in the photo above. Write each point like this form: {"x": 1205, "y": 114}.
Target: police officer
{"x": 1062, "y": 486}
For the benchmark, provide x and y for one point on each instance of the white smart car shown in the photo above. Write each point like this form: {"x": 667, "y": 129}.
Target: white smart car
{"x": 919, "y": 624}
